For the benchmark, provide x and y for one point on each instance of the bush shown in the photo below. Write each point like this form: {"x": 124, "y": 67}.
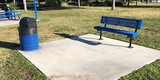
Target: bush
{"x": 12, "y": 6}
{"x": 2, "y": 1}
{"x": 1, "y": 5}
{"x": 94, "y": 3}
{"x": 109, "y": 3}
{"x": 91, "y": 1}
{"x": 53, "y": 2}
{"x": 98, "y": 4}
{"x": 84, "y": 4}
{"x": 8, "y": 1}
{"x": 75, "y": 3}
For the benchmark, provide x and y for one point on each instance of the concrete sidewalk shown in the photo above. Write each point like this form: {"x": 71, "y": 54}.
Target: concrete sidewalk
{"x": 87, "y": 58}
{"x": 6, "y": 22}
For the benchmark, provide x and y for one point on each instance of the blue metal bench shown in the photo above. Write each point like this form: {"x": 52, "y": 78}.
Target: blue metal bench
{"x": 124, "y": 22}
{"x": 9, "y": 14}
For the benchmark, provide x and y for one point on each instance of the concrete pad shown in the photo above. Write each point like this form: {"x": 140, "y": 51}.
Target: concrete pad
{"x": 87, "y": 58}
{"x": 5, "y": 22}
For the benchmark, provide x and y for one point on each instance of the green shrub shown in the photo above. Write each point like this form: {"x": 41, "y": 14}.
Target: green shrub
{"x": 91, "y": 1}
{"x": 11, "y": 5}
{"x": 8, "y": 1}
{"x": 1, "y": 5}
{"x": 2, "y": 1}
{"x": 74, "y": 3}
{"x": 98, "y": 4}
{"x": 84, "y": 4}
{"x": 109, "y": 3}
{"x": 53, "y": 2}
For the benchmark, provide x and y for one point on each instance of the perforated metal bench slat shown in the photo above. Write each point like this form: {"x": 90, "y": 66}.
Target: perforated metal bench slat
{"x": 124, "y": 22}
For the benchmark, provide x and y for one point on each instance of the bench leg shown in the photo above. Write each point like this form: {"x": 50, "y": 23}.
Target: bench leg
{"x": 14, "y": 17}
{"x": 130, "y": 43}
{"x": 100, "y": 35}
{"x": 18, "y": 17}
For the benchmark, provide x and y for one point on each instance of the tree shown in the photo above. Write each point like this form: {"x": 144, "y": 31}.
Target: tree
{"x": 79, "y": 3}
{"x": 14, "y": 1}
{"x": 136, "y": 2}
{"x": 54, "y": 2}
{"x": 128, "y": 2}
{"x": 25, "y": 5}
{"x": 146, "y": 1}
{"x": 113, "y": 4}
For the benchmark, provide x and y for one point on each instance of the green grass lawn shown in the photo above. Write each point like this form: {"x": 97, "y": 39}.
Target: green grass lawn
{"x": 75, "y": 22}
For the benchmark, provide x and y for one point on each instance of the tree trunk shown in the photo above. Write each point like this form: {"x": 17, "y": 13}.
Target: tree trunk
{"x": 123, "y": 1}
{"x": 128, "y": 2}
{"x": 146, "y": 1}
{"x": 136, "y": 2}
{"x": 14, "y": 1}
{"x": 113, "y": 4}
{"x": 39, "y": 3}
{"x": 79, "y": 3}
{"x": 25, "y": 5}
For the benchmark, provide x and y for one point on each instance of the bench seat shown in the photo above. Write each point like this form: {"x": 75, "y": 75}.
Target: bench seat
{"x": 13, "y": 16}
{"x": 123, "y": 32}
{"x": 16, "y": 14}
{"x": 9, "y": 14}
{"x": 1, "y": 17}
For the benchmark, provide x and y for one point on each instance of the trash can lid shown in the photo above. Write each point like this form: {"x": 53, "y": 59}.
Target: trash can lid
{"x": 28, "y": 22}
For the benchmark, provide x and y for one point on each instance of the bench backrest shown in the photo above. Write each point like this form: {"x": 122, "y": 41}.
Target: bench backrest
{"x": 6, "y": 13}
{"x": 125, "y": 22}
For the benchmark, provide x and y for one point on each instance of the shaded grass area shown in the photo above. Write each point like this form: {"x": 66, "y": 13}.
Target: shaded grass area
{"x": 143, "y": 5}
{"x": 75, "y": 22}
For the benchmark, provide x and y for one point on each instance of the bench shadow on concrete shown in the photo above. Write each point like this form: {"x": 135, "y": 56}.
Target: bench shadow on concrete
{"x": 76, "y": 38}
{"x": 8, "y": 45}
{"x": 107, "y": 44}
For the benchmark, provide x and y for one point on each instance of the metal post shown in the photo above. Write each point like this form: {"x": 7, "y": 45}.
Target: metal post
{"x": 100, "y": 35}
{"x": 35, "y": 10}
{"x": 130, "y": 43}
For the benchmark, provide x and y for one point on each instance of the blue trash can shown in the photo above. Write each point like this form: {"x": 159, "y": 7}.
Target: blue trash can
{"x": 28, "y": 34}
